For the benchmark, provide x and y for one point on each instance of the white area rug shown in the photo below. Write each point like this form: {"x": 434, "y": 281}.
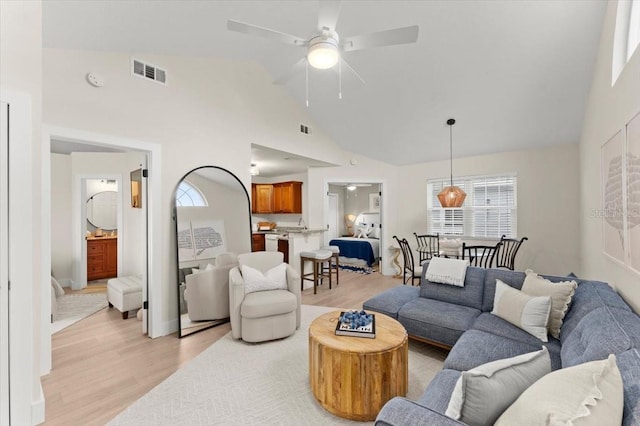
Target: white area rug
{"x": 237, "y": 383}
{"x": 74, "y": 307}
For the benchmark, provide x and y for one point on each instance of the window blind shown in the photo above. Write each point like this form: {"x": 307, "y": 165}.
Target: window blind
{"x": 489, "y": 210}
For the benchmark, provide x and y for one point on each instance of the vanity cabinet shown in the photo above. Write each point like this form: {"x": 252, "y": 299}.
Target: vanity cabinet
{"x": 257, "y": 242}
{"x": 281, "y": 197}
{"x": 102, "y": 258}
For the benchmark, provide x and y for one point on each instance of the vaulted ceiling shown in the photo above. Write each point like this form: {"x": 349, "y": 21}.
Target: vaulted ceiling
{"x": 514, "y": 74}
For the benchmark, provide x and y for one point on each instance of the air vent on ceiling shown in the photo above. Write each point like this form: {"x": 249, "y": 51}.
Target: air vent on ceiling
{"x": 149, "y": 71}
{"x": 305, "y": 129}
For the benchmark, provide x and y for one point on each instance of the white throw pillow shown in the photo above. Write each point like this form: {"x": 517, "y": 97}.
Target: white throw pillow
{"x": 585, "y": 394}
{"x": 527, "y": 312}
{"x": 483, "y": 393}
{"x": 209, "y": 267}
{"x": 560, "y": 293}
{"x": 274, "y": 279}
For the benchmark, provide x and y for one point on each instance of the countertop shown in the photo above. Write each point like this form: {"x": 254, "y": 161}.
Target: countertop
{"x": 292, "y": 231}
{"x": 105, "y": 237}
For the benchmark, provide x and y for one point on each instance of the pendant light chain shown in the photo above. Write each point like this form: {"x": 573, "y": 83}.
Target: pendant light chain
{"x": 451, "y": 151}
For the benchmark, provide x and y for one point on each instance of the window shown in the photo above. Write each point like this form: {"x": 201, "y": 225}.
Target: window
{"x": 189, "y": 196}
{"x": 634, "y": 28}
{"x": 626, "y": 36}
{"x": 489, "y": 211}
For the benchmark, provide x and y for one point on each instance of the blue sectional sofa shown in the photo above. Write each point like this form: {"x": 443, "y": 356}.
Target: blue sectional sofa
{"x": 597, "y": 323}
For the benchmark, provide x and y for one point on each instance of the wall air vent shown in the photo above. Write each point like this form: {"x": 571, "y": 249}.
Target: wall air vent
{"x": 305, "y": 129}
{"x": 148, "y": 71}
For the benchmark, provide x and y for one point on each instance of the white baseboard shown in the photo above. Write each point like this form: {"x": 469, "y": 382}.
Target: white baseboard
{"x": 37, "y": 409}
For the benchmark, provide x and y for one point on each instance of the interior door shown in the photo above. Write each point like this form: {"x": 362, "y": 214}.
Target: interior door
{"x": 333, "y": 220}
{"x": 4, "y": 264}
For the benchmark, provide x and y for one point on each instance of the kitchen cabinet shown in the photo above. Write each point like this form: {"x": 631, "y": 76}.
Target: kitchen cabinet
{"x": 257, "y": 242}
{"x": 263, "y": 198}
{"x": 283, "y": 247}
{"x": 287, "y": 197}
{"x": 102, "y": 258}
{"x": 281, "y": 197}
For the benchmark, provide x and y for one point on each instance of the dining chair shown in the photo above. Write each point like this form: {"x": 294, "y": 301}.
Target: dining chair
{"x": 409, "y": 270}
{"x": 428, "y": 246}
{"x": 506, "y": 253}
{"x": 480, "y": 256}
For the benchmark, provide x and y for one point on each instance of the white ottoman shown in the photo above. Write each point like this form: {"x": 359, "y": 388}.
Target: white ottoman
{"x": 125, "y": 293}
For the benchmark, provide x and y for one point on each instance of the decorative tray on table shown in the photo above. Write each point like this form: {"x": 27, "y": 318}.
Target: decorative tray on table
{"x": 356, "y": 324}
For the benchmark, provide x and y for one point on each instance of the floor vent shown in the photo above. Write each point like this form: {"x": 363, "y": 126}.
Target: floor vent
{"x": 149, "y": 71}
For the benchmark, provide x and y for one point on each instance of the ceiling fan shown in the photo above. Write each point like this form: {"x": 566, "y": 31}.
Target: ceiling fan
{"x": 324, "y": 48}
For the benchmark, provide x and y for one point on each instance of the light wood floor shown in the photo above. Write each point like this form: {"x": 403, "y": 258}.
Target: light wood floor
{"x": 103, "y": 364}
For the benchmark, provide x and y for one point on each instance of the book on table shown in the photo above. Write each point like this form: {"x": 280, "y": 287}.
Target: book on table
{"x": 369, "y": 330}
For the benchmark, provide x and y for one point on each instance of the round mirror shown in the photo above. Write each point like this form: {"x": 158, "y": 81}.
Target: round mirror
{"x": 102, "y": 210}
{"x": 213, "y": 224}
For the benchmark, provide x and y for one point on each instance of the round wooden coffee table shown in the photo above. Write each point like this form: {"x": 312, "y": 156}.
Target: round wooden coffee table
{"x": 353, "y": 377}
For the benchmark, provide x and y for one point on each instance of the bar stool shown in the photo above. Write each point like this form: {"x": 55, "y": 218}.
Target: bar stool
{"x": 334, "y": 262}
{"x": 318, "y": 257}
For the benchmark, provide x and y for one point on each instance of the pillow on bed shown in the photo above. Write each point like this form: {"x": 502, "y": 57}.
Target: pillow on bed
{"x": 375, "y": 232}
{"x": 363, "y": 232}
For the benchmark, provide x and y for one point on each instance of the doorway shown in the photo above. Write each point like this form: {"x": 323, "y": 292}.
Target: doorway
{"x": 87, "y": 143}
{"x": 351, "y": 205}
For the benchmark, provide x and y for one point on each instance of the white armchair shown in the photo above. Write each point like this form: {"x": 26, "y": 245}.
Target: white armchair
{"x": 207, "y": 292}
{"x": 263, "y": 315}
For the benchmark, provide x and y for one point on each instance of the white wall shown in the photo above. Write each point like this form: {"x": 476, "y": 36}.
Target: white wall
{"x": 210, "y": 113}
{"x": 608, "y": 110}
{"x": 61, "y": 223}
{"x": 21, "y": 71}
{"x": 357, "y": 201}
{"x": 548, "y": 202}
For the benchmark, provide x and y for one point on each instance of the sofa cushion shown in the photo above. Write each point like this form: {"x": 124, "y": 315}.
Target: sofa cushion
{"x": 560, "y": 293}
{"x": 629, "y": 365}
{"x": 527, "y": 312}
{"x": 477, "y": 347}
{"x": 600, "y": 333}
{"x": 513, "y": 278}
{"x": 470, "y": 295}
{"x": 483, "y": 393}
{"x": 390, "y": 301}
{"x": 492, "y": 324}
{"x": 262, "y": 304}
{"x": 438, "y": 393}
{"x": 589, "y": 296}
{"x": 585, "y": 394}
{"x": 436, "y": 320}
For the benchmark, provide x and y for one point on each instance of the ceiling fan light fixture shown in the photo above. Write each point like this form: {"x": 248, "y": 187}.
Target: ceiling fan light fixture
{"x": 323, "y": 53}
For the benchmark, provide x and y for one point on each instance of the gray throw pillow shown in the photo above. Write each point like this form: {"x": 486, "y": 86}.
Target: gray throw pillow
{"x": 483, "y": 393}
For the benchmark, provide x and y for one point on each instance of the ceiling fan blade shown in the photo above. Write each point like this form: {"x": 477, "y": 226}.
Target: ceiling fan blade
{"x": 346, "y": 64}
{"x": 328, "y": 12}
{"x": 382, "y": 38}
{"x": 294, "y": 69}
{"x": 267, "y": 33}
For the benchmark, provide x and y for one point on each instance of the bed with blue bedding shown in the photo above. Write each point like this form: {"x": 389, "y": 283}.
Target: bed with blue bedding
{"x": 367, "y": 249}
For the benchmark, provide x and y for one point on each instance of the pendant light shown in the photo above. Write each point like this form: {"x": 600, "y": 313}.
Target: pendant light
{"x": 451, "y": 196}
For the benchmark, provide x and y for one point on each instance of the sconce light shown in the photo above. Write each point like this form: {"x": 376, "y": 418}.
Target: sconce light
{"x": 254, "y": 170}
